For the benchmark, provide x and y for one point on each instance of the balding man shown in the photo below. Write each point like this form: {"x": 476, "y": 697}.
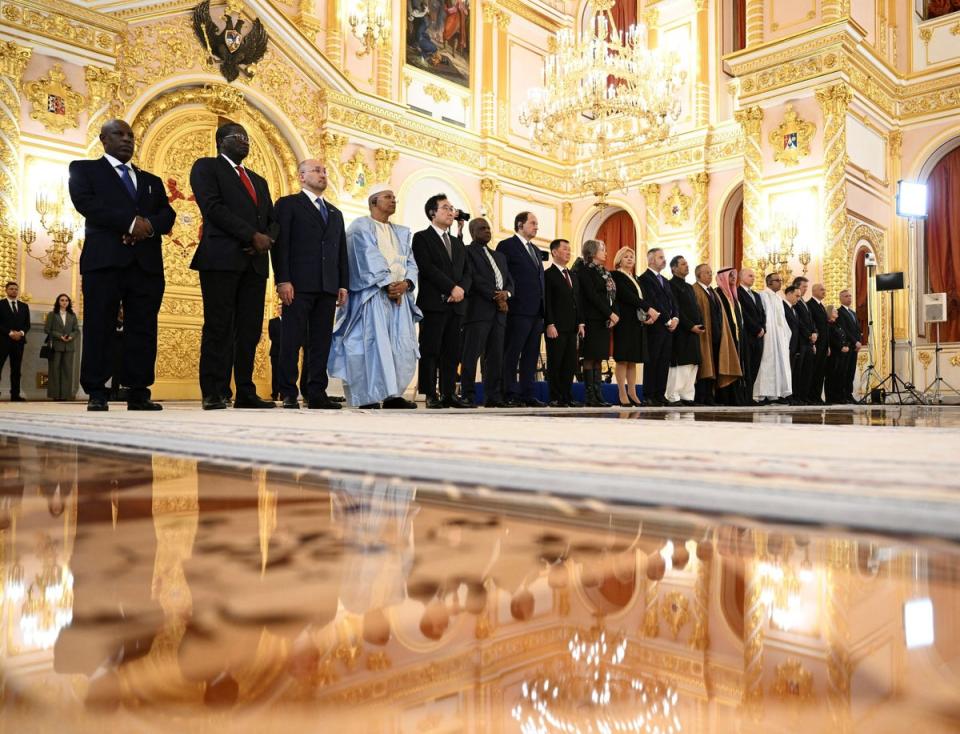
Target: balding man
{"x": 754, "y": 326}
{"x": 126, "y": 211}
{"x": 819, "y": 315}
{"x": 310, "y": 267}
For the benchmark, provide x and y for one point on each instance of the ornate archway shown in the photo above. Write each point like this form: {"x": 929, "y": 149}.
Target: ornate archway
{"x": 173, "y": 131}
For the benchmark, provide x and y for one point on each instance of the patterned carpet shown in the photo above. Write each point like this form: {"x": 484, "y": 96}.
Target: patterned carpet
{"x": 890, "y": 478}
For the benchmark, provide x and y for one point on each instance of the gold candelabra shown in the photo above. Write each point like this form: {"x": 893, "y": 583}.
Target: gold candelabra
{"x": 778, "y": 249}
{"x": 59, "y": 225}
{"x": 369, "y": 24}
{"x": 600, "y": 179}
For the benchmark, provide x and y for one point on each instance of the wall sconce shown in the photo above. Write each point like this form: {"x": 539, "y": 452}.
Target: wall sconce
{"x": 369, "y": 24}
{"x": 61, "y": 228}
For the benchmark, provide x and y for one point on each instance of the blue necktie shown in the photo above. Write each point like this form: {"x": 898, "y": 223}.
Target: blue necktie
{"x": 660, "y": 277}
{"x": 322, "y": 208}
{"x": 127, "y": 181}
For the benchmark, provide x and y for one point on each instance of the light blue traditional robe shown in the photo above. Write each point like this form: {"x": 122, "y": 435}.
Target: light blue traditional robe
{"x": 374, "y": 349}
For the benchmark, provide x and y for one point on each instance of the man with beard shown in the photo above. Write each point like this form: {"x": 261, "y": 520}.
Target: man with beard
{"x": 682, "y": 377}
{"x": 733, "y": 354}
{"x": 709, "y": 304}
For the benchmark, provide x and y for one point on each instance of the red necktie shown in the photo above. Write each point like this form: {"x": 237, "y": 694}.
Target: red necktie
{"x": 566, "y": 276}
{"x": 247, "y": 183}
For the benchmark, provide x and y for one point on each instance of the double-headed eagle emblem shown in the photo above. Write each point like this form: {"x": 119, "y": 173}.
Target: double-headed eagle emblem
{"x": 234, "y": 51}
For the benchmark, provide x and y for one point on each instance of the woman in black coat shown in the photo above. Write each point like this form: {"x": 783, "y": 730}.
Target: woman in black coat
{"x": 628, "y": 337}
{"x": 598, "y": 296}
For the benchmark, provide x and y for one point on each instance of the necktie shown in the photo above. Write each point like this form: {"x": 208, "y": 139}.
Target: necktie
{"x": 127, "y": 181}
{"x": 321, "y": 207}
{"x": 247, "y": 183}
{"x": 566, "y": 276}
{"x": 14, "y": 304}
{"x": 660, "y": 278}
{"x": 497, "y": 276}
{"x": 447, "y": 245}
{"x": 533, "y": 253}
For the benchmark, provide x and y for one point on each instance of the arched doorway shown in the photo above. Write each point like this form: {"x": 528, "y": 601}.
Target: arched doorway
{"x": 861, "y": 288}
{"x": 732, "y": 223}
{"x": 941, "y": 234}
{"x": 173, "y": 131}
{"x": 616, "y": 228}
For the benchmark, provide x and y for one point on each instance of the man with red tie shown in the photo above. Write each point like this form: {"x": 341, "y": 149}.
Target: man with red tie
{"x": 239, "y": 228}
{"x": 563, "y": 317}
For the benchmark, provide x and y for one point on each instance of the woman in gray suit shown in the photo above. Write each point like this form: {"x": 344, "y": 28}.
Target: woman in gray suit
{"x": 61, "y": 328}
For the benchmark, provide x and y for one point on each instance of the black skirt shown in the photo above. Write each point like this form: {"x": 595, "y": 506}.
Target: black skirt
{"x": 596, "y": 342}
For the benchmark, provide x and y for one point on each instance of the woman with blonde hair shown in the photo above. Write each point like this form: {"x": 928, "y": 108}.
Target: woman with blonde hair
{"x": 628, "y": 336}
{"x": 598, "y": 295}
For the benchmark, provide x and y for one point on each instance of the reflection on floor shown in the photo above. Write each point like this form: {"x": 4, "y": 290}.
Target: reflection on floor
{"x": 153, "y": 592}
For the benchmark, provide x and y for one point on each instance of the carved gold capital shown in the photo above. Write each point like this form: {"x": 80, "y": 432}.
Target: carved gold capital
{"x": 835, "y": 99}
{"x": 750, "y": 119}
{"x": 103, "y": 86}
{"x": 494, "y": 14}
{"x": 699, "y": 181}
{"x": 384, "y": 160}
{"x": 13, "y": 60}
{"x": 651, "y": 194}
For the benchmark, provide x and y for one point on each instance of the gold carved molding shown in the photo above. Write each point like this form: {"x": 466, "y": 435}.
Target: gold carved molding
{"x": 676, "y": 207}
{"x": 791, "y": 139}
{"x": 793, "y": 682}
{"x": 675, "y": 610}
{"x": 357, "y": 175}
{"x": 54, "y": 103}
{"x": 437, "y": 93}
{"x": 65, "y": 22}
{"x": 384, "y": 159}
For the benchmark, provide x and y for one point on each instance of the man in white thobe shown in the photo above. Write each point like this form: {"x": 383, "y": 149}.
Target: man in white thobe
{"x": 774, "y": 380}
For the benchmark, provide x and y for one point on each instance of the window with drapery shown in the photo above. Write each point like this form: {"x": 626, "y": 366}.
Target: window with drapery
{"x": 860, "y": 305}
{"x": 618, "y": 231}
{"x": 937, "y": 8}
{"x": 942, "y": 239}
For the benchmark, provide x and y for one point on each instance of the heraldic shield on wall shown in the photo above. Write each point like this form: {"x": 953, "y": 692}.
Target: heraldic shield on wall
{"x": 236, "y": 52}
{"x": 438, "y": 38}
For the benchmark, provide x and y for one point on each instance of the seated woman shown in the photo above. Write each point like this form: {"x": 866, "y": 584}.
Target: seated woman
{"x": 598, "y": 295}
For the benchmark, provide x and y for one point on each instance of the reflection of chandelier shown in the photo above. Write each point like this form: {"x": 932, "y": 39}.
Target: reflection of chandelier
{"x": 604, "y": 84}
{"x": 369, "y": 24}
{"x": 590, "y": 692}
{"x": 49, "y": 604}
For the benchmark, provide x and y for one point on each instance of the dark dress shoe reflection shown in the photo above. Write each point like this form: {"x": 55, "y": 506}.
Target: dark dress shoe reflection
{"x": 254, "y": 402}
{"x": 291, "y": 404}
{"x": 557, "y": 404}
{"x": 213, "y": 402}
{"x": 97, "y": 404}
{"x": 143, "y": 405}
{"x": 322, "y": 403}
{"x": 534, "y": 403}
{"x": 370, "y": 406}
{"x": 495, "y": 404}
{"x": 433, "y": 403}
{"x": 457, "y": 402}
{"x": 399, "y": 403}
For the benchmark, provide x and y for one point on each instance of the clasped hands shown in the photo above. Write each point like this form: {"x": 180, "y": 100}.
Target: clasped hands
{"x": 259, "y": 244}
{"x": 396, "y": 290}
{"x": 142, "y": 229}
{"x": 500, "y": 299}
{"x": 456, "y": 295}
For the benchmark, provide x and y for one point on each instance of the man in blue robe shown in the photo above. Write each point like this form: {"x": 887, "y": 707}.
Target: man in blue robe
{"x": 374, "y": 348}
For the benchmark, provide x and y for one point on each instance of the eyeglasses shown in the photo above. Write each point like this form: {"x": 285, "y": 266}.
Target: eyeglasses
{"x": 447, "y": 208}
{"x": 315, "y": 170}
{"x": 237, "y": 136}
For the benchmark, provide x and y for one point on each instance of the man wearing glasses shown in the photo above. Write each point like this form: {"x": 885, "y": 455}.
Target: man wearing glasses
{"x": 239, "y": 227}
{"x": 310, "y": 267}
{"x": 774, "y": 378}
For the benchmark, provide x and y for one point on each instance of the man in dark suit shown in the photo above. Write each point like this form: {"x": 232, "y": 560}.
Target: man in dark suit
{"x": 126, "y": 211}
{"x": 311, "y": 270}
{"x": 685, "y": 356}
{"x": 525, "y": 318}
{"x": 444, "y": 283}
{"x": 819, "y": 369}
{"x": 807, "y": 347}
{"x": 275, "y": 334}
{"x": 239, "y": 227}
{"x": 660, "y": 334}
{"x": 791, "y": 297}
{"x": 847, "y": 318}
{"x": 486, "y": 317}
{"x": 14, "y": 325}
{"x": 754, "y": 324}
{"x": 564, "y": 325}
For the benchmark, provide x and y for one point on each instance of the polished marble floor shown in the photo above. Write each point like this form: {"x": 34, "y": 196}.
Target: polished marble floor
{"x": 173, "y": 593}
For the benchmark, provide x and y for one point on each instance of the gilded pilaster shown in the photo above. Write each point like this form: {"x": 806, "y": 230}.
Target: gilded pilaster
{"x": 754, "y": 616}
{"x": 334, "y": 34}
{"x": 384, "y": 161}
{"x": 13, "y": 61}
{"x": 331, "y": 146}
{"x": 840, "y": 563}
{"x": 651, "y": 616}
{"x": 651, "y": 197}
{"x": 702, "y": 89}
{"x": 385, "y": 69}
{"x": 488, "y": 196}
{"x": 898, "y": 257}
{"x": 834, "y": 101}
{"x": 750, "y": 120}
{"x": 566, "y": 220}
{"x": 835, "y": 10}
{"x": 754, "y": 22}
{"x": 701, "y": 215}
{"x": 700, "y": 639}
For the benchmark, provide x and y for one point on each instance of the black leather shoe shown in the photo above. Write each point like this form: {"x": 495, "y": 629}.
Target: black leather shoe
{"x": 370, "y": 406}
{"x": 254, "y": 402}
{"x": 574, "y": 404}
{"x": 322, "y": 403}
{"x": 17, "y": 399}
{"x": 213, "y": 402}
{"x": 337, "y": 398}
{"x": 688, "y": 403}
{"x": 399, "y": 403}
{"x": 434, "y": 403}
{"x": 456, "y": 401}
{"x": 146, "y": 404}
{"x": 97, "y": 404}
{"x": 533, "y": 403}
{"x": 557, "y": 404}
{"x": 291, "y": 404}
{"x": 494, "y": 404}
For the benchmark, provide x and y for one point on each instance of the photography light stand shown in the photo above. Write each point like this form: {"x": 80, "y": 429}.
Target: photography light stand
{"x": 938, "y": 382}
{"x": 870, "y": 374}
{"x": 893, "y": 384}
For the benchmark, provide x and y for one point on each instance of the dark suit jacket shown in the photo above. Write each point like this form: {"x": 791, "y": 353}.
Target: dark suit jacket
{"x": 10, "y": 321}
{"x": 275, "y": 333}
{"x": 805, "y": 321}
{"x": 308, "y": 253}
{"x": 527, "y": 299}
{"x": 480, "y": 304}
{"x": 230, "y": 216}
{"x": 850, "y": 324}
{"x": 101, "y": 198}
{"x": 660, "y": 298}
{"x": 794, "y": 323}
{"x": 819, "y": 315}
{"x": 561, "y": 301}
{"x": 686, "y": 344}
{"x": 754, "y": 315}
{"x": 439, "y": 273}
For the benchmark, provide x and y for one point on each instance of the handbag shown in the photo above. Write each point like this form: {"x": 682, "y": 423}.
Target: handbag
{"x": 46, "y": 351}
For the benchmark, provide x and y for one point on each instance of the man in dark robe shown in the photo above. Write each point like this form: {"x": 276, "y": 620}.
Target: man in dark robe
{"x": 682, "y": 377}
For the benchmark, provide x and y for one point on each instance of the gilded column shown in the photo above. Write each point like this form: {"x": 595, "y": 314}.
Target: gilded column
{"x": 488, "y": 97}
{"x": 754, "y": 617}
{"x": 334, "y": 34}
{"x": 503, "y": 82}
{"x": 331, "y": 146}
{"x": 840, "y": 564}
{"x": 700, "y": 639}
{"x": 834, "y": 101}
{"x": 754, "y": 22}
{"x": 835, "y": 10}
{"x": 13, "y": 61}
{"x": 750, "y": 120}
{"x": 701, "y": 215}
{"x": 651, "y": 617}
{"x": 488, "y": 197}
{"x": 385, "y": 69}
{"x": 651, "y": 197}
{"x": 703, "y": 66}
{"x": 566, "y": 220}
{"x": 651, "y": 17}
{"x": 897, "y": 259}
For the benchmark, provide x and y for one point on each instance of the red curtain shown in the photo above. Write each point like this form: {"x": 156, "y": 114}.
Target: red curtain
{"x": 860, "y": 271}
{"x": 738, "y": 237}
{"x": 616, "y": 232}
{"x": 943, "y": 239}
{"x": 739, "y": 25}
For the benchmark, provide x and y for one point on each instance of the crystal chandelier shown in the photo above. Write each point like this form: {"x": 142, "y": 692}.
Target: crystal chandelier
{"x": 590, "y": 691}
{"x": 369, "y": 24}
{"x": 599, "y": 178}
{"x": 604, "y": 84}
